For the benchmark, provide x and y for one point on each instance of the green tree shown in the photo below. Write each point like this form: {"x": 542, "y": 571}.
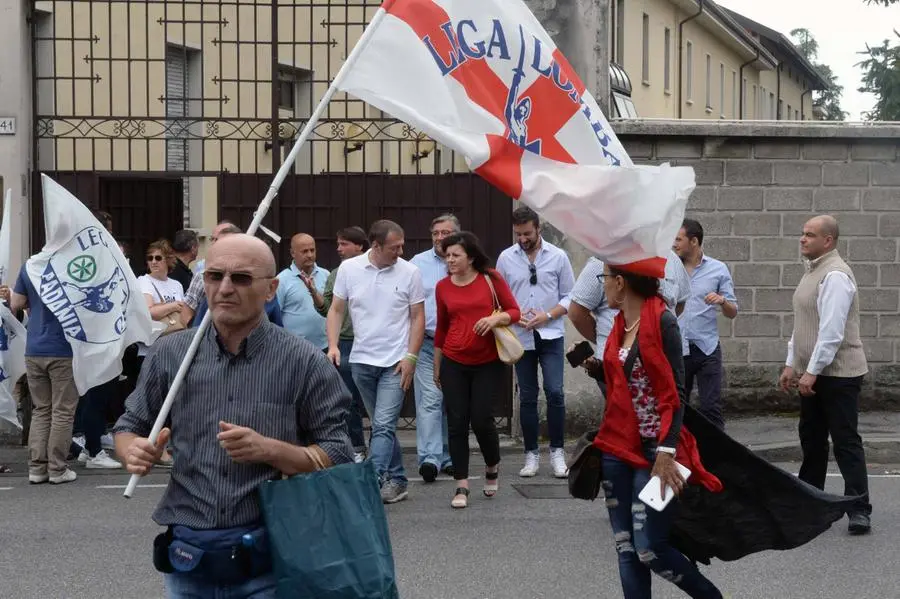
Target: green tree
{"x": 827, "y": 100}
{"x": 881, "y": 78}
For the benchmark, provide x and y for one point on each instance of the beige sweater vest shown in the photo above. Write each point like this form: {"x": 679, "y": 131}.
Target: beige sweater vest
{"x": 850, "y": 359}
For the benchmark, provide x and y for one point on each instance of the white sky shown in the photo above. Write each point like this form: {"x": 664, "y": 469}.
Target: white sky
{"x": 842, "y": 28}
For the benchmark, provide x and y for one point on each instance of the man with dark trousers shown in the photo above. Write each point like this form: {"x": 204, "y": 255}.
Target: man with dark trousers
{"x": 712, "y": 291}
{"x": 826, "y": 353}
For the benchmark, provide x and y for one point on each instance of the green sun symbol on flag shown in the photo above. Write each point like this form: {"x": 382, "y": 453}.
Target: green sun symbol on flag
{"x": 82, "y": 268}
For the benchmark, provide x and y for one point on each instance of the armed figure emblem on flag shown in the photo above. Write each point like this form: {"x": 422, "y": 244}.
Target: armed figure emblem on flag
{"x": 518, "y": 110}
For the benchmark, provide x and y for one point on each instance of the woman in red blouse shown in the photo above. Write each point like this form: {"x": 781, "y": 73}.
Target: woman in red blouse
{"x": 466, "y": 366}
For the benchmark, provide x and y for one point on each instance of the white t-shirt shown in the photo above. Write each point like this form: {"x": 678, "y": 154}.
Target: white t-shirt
{"x": 170, "y": 290}
{"x": 379, "y": 301}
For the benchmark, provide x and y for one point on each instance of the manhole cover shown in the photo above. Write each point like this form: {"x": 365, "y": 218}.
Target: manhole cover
{"x": 548, "y": 491}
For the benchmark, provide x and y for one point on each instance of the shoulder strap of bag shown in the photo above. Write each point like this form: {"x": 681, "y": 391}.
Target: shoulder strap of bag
{"x": 490, "y": 283}
{"x": 152, "y": 284}
{"x": 633, "y": 355}
{"x": 316, "y": 455}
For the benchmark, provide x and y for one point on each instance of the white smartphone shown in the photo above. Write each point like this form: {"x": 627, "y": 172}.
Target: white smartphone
{"x": 650, "y": 493}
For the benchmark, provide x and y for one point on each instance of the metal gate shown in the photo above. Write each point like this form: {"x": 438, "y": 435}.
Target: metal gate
{"x": 210, "y": 94}
{"x": 143, "y": 209}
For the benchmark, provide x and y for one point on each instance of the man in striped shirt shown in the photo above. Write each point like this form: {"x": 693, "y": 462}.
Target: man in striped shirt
{"x": 256, "y": 401}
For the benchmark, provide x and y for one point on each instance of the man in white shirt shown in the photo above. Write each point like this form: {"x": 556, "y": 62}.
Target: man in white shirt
{"x": 540, "y": 276}
{"x": 826, "y": 353}
{"x": 431, "y": 421}
{"x": 387, "y": 306}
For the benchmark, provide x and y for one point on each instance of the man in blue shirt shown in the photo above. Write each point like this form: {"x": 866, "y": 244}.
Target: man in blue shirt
{"x": 299, "y": 292}
{"x": 540, "y": 276}
{"x": 431, "y": 422}
{"x": 48, "y": 360}
{"x": 712, "y": 290}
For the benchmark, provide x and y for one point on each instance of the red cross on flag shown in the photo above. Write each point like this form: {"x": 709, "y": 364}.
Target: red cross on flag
{"x": 483, "y": 78}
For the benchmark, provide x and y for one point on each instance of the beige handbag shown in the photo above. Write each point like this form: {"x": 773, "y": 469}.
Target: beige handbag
{"x": 172, "y": 320}
{"x": 509, "y": 348}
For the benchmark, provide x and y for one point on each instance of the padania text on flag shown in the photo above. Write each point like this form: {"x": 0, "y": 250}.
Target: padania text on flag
{"x": 485, "y": 79}
{"x": 84, "y": 279}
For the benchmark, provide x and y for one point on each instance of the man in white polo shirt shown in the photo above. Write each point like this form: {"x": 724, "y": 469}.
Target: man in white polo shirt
{"x": 387, "y": 307}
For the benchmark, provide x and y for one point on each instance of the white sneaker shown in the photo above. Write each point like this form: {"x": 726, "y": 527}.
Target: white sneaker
{"x": 79, "y": 441}
{"x": 66, "y": 477}
{"x": 107, "y": 442}
{"x": 83, "y": 457}
{"x": 558, "y": 462}
{"x": 532, "y": 462}
{"x": 359, "y": 457}
{"x": 102, "y": 460}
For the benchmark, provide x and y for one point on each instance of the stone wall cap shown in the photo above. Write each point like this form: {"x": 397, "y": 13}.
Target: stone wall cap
{"x": 757, "y": 129}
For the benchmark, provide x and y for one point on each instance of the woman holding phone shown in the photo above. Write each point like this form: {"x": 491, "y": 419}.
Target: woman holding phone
{"x": 471, "y": 303}
{"x": 642, "y": 434}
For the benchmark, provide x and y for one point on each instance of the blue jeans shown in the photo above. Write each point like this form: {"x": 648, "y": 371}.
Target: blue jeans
{"x": 355, "y": 416}
{"x": 179, "y": 586}
{"x": 431, "y": 421}
{"x": 642, "y": 536}
{"x": 383, "y": 397}
{"x": 549, "y": 354}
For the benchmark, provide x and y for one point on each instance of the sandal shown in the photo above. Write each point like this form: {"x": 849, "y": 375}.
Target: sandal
{"x": 491, "y": 485}
{"x": 460, "y": 499}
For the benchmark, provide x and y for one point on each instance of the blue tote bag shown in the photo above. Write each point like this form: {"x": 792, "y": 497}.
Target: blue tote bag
{"x": 328, "y": 534}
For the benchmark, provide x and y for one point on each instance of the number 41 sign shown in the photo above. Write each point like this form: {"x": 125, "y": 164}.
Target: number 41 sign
{"x": 7, "y": 125}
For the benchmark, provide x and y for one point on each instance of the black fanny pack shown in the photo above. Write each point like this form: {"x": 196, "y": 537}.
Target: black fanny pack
{"x": 229, "y": 556}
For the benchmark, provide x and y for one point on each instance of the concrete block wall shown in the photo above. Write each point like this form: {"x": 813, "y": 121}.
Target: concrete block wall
{"x": 756, "y": 186}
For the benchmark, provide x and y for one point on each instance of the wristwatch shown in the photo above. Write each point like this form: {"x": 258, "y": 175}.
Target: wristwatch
{"x": 668, "y": 450}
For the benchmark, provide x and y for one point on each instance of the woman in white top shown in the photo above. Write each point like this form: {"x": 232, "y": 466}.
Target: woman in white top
{"x": 164, "y": 296}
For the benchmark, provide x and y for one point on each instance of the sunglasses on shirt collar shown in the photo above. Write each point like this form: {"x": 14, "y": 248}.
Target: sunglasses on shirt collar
{"x": 533, "y": 270}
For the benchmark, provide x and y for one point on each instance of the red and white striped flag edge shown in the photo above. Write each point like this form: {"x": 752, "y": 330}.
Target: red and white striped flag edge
{"x": 484, "y": 78}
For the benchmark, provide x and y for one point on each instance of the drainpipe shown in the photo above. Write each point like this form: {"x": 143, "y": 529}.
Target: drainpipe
{"x": 741, "y": 75}
{"x": 778, "y": 68}
{"x": 803, "y": 106}
{"x": 681, "y": 57}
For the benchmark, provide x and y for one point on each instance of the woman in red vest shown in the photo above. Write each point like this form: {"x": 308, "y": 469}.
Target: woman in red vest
{"x": 642, "y": 433}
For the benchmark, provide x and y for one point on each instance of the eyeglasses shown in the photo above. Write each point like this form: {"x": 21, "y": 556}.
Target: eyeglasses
{"x": 533, "y": 270}
{"x": 156, "y": 258}
{"x": 238, "y": 279}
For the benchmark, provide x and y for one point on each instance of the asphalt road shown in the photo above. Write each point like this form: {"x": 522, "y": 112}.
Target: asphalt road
{"x": 84, "y": 540}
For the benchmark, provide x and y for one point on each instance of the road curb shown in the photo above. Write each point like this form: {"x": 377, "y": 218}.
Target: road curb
{"x": 879, "y": 450}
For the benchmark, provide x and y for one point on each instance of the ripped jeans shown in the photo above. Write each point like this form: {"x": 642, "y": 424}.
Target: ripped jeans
{"x": 642, "y": 536}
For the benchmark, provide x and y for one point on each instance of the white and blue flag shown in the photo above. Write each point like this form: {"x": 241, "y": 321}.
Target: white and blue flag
{"x": 84, "y": 279}
{"x": 12, "y": 363}
{"x": 12, "y": 333}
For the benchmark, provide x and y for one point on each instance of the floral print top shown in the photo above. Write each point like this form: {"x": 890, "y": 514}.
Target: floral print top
{"x": 642, "y": 398}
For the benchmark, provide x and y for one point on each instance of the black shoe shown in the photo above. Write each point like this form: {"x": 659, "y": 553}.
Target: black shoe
{"x": 428, "y": 471}
{"x": 859, "y": 524}
{"x": 449, "y": 470}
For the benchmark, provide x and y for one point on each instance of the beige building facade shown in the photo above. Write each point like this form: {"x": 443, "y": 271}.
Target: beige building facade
{"x": 186, "y": 90}
{"x": 692, "y": 59}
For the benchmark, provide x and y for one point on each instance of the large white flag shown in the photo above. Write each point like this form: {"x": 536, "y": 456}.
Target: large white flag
{"x": 12, "y": 333}
{"x": 484, "y": 78}
{"x": 5, "y": 243}
{"x": 12, "y": 362}
{"x": 85, "y": 281}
